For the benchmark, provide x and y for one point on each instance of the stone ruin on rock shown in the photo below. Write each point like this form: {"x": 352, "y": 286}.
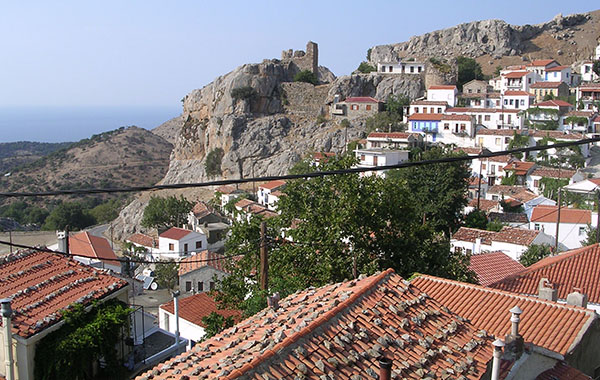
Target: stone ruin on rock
{"x": 308, "y": 60}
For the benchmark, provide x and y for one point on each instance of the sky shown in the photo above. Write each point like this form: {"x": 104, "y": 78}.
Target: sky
{"x": 149, "y": 53}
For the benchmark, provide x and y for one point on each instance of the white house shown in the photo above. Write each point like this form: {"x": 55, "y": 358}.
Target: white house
{"x": 517, "y": 80}
{"x": 406, "y": 67}
{"x": 146, "y": 242}
{"x": 492, "y": 118}
{"x": 541, "y": 66}
{"x": 577, "y": 121}
{"x": 393, "y": 140}
{"x": 372, "y": 158}
{"x": 426, "y": 124}
{"x": 589, "y": 185}
{"x": 534, "y": 179}
{"x": 494, "y": 139}
{"x": 519, "y": 100}
{"x": 176, "y": 242}
{"x": 587, "y": 72}
{"x": 428, "y": 106}
{"x": 263, "y": 194}
{"x": 573, "y": 223}
{"x": 443, "y": 93}
{"x": 227, "y": 194}
{"x": 191, "y": 311}
{"x": 559, "y": 136}
{"x": 559, "y": 74}
{"x": 589, "y": 95}
{"x": 457, "y": 129}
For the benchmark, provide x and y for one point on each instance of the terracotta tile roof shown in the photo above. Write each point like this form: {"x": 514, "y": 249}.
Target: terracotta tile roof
{"x": 175, "y": 233}
{"x": 518, "y": 193}
{"x": 559, "y": 135}
{"x": 243, "y": 203}
{"x": 496, "y": 132}
{"x": 42, "y": 284}
{"x": 520, "y": 167}
{"x": 390, "y": 135}
{"x": 556, "y": 327}
{"x": 469, "y": 150}
{"x": 458, "y": 117}
{"x": 428, "y": 103}
{"x": 485, "y": 204}
{"x": 361, "y": 99}
{"x": 442, "y": 87}
{"x": 558, "y": 68}
{"x": 198, "y": 306}
{"x": 577, "y": 268}
{"x": 272, "y": 185}
{"x": 504, "y": 159}
{"x": 517, "y": 93}
{"x": 474, "y": 181}
{"x": 562, "y": 371}
{"x": 340, "y": 330}
{"x": 541, "y": 62}
{"x": 596, "y": 119}
{"x": 226, "y": 189}
{"x": 549, "y": 214}
{"x": 322, "y": 155}
{"x": 553, "y": 172}
{"x": 546, "y": 85}
{"x": 202, "y": 209}
{"x": 143, "y": 239}
{"x": 587, "y": 114}
{"x": 509, "y": 217}
{"x": 278, "y": 193}
{"x": 471, "y": 234}
{"x": 514, "y": 235}
{"x": 515, "y": 74}
{"x": 590, "y": 86}
{"x": 554, "y": 103}
{"x": 197, "y": 261}
{"x": 86, "y": 244}
{"x": 493, "y": 266}
{"x": 426, "y": 116}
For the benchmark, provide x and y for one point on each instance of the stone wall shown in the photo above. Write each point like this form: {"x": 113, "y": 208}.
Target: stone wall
{"x": 303, "y": 99}
{"x": 304, "y": 60}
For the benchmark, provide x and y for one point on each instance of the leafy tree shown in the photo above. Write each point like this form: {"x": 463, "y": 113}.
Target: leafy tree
{"x": 476, "y": 219}
{"x": 71, "y": 214}
{"x": 495, "y": 225}
{"x": 509, "y": 180}
{"x": 535, "y": 253}
{"x": 215, "y": 323}
{"x": 166, "y": 212}
{"x": 391, "y": 118}
{"x": 107, "y": 211}
{"x": 167, "y": 274}
{"x": 497, "y": 71}
{"x": 590, "y": 236}
{"x": 306, "y": 76}
{"x": 548, "y": 96}
{"x": 518, "y": 141}
{"x": 243, "y": 93}
{"x": 369, "y": 54}
{"x": 366, "y": 68}
{"x": 551, "y": 186}
{"x": 212, "y": 165}
{"x": 394, "y": 104}
{"x": 468, "y": 69}
{"x": 596, "y": 67}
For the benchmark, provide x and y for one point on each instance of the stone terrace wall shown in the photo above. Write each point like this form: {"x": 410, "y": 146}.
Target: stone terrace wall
{"x": 304, "y": 99}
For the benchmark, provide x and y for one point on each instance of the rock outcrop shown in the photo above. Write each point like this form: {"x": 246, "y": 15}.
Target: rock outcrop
{"x": 169, "y": 130}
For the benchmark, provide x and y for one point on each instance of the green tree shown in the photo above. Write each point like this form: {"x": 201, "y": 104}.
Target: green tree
{"x": 495, "y": 225}
{"x": 68, "y": 214}
{"x": 468, "y": 69}
{"x": 548, "y": 96}
{"x": 366, "y": 68}
{"x": 596, "y": 67}
{"x": 166, "y": 212}
{"x": 497, "y": 70}
{"x": 476, "y": 219}
{"x": 243, "y": 93}
{"x": 306, "y": 76}
{"x": 215, "y": 323}
{"x": 107, "y": 211}
{"x": 212, "y": 165}
{"x": 590, "y": 236}
{"x": 518, "y": 141}
{"x": 167, "y": 274}
{"x": 535, "y": 253}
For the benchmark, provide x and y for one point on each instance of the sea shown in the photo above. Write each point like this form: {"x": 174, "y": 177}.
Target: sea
{"x": 65, "y": 124}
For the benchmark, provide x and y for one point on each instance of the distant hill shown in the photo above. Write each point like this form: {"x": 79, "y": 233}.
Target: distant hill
{"x": 169, "y": 129}
{"x": 129, "y": 156}
{"x": 19, "y": 153}
{"x": 493, "y": 43}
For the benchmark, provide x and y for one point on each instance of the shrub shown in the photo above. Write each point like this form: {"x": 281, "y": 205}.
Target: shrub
{"x": 321, "y": 119}
{"x": 366, "y": 68}
{"x": 306, "y": 76}
{"x": 213, "y": 162}
{"x": 243, "y": 93}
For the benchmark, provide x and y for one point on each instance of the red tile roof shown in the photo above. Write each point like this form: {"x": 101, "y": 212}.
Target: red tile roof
{"x": 587, "y": 114}
{"x": 426, "y": 116}
{"x": 243, "y": 203}
{"x": 86, "y": 244}
{"x": 515, "y": 74}
{"x": 556, "y": 327}
{"x": 428, "y": 103}
{"x": 518, "y": 193}
{"x": 175, "y": 233}
{"x": 322, "y": 155}
{"x": 442, "y": 87}
{"x": 226, "y": 189}
{"x": 558, "y": 68}
{"x": 554, "y": 103}
{"x": 514, "y": 235}
{"x": 559, "y": 135}
{"x": 391, "y": 135}
{"x": 471, "y": 234}
{"x": 562, "y": 371}
{"x": 493, "y": 266}
{"x": 546, "y": 85}
{"x": 520, "y": 167}
{"x": 201, "y": 260}
{"x": 340, "y": 329}
{"x": 549, "y": 214}
{"x": 198, "y": 306}
{"x": 553, "y": 172}
{"x": 143, "y": 239}
{"x": 42, "y": 284}
{"x": 504, "y": 159}
{"x": 496, "y": 132}
{"x": 202, "y": 209}
{"x": 577, "y": 268}
{"x": 541, "y": 62}
{"x": 458, "y": 117}
{"x": 361, "y": 99}
{"x": 485, "y": 204}
{"x": 272, "y": 185}
{"x": 469, "y": 150}
{"x": 517, "y": 93}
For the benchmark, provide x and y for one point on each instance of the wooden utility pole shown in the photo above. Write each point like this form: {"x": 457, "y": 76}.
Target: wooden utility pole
{"x": 264, "y": 257}
{"x": 479, "y": 184}
{"x": 557, "y": 223}
{"x": 598, "y": 217}
{"x": 10, "y": 239}
{"x": 67, "y": 240}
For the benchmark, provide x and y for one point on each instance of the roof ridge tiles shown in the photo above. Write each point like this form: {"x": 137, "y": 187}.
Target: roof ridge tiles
{"x": 313, "y": 325}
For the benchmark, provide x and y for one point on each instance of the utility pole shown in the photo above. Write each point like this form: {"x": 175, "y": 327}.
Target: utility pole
{"x": 264, "y": 257}
{"x": 10, "y": 239}
{"x": 557, "y": 223}
{"x": 67, "y": 249}
{"x": 111, "y": 238}
{"x": 479, "y": 184}
{"x": 598, "y": 216}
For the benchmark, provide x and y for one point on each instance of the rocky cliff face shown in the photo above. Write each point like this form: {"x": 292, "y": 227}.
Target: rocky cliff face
{"x": 494, "y": 38}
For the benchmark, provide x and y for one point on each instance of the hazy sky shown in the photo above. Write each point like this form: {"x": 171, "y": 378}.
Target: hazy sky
{"x": 84, "y": 53}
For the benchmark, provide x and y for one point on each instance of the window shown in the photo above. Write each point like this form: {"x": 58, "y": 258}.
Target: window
{"x": 470, "y": 91}
{"x": 536, "y": 183}
{"x": 200, "y": 286}
{"x": 494, "y": 197}
{"x": 446, "y": 125}
{"x": 185, "y": 248}
{"x": 188, "y": 286}
{"x": 512, "y": 102}
{"x": 419, "y": 69}
{"x": 507, "y": 140}
{"x": 431, "y": 110}
{"x": 509, "y": 117}
{"x": 354, "y": 107}
{"x": 529, "y": 80}
{"x": 383, "y": 69}
{"x": 412, "y": 69}
{"x": 581, "y": 231}
{"x": 391, "y": 69}
{"x": 199, "y": 244}
{"x": 498, "y": 141}
{"x": 416, "y": 109}
{"x": 211, "y": 285}
{"x": 522, "y": 102}
{"x": 362, "y": 157}
{"x": 505, "y": 102}
{"x": 479, "y": 91}
{"x": 368, "y": 107}
{"x": 536, "y": 227}
{"x": 439, "y": 110}
{"x": 497, "y": 103}
{"x": 469, "y": 251}
{"x": 374, "y": 160}
{"x": 463, "y": 127}
{"x": 171, "y": 247}
{"x": 487, "y": 117}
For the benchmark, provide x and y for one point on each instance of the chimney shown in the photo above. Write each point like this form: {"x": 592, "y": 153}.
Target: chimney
{"x": 336, "y": 98}
{"x": 577, "y": 298}
{"x": 385, "y": 368}
{"x": 546, "y": 291}
{"x": 273, "y": 301}
{"x": 477, "y": 248}
{"x": 176, "y": 307}
{"x": 498, "y": 344}
{"x": 61, "y": 237}
{"x": 7, "y": 312}
{"x": 514, "y": 341}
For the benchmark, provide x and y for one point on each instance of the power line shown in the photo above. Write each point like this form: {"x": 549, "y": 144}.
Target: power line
{"x": 296, "y": 176}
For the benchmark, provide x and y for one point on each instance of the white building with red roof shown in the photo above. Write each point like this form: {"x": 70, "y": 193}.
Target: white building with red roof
{"x": 588, "y": 94}
{"x": 541, "y": 66}
{"x": 559, "y": 74}
{"x": 428, "y": 106}
{"x": 534, "y": 179}
{"x": 400, "y": 67}
{"x": 94, "y": 251}
{"x": 197, "y": 273}
{"x": 518, "y": 100}
{"x": 227, "y": 193}
{"x": 494, "y": 139}
{"x": 493, "y": 266}
{"x": 177, "y": 242}
{"x": 519, "y": 80}
{"x": 491, "y": 118}
{"x": 266, "y": 194}
{"x": 443, "y": 93}
{"x": 587, "y": 72}
{"x": 573, "y": 223}
{"x": 577, "y": 121}
{"x": 393, "y": 140}
{"x": 542, "y": 89}
{"x": 357, "y": 107}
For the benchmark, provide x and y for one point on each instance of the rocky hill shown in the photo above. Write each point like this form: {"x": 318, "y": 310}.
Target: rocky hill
{"x": 124, "y": 157}
{"x": 567, "y": 39}
{"x": 15, "y": 154}
{"x": 169, "y": 129}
